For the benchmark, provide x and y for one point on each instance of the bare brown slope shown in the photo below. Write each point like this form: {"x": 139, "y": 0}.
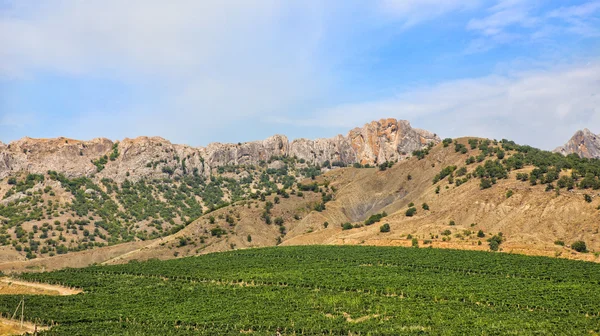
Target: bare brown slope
{"x": 531, "y": 220}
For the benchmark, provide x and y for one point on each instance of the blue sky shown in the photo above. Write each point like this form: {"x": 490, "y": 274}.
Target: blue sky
{"x": 197, "y": 72}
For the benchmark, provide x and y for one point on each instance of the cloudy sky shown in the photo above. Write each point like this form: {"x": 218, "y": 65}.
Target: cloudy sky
{"x": 203, "y": 71}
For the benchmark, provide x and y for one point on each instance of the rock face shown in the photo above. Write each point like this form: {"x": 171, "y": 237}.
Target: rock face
{"x": 583, "y": 143}
{"x": 376, "y": 142}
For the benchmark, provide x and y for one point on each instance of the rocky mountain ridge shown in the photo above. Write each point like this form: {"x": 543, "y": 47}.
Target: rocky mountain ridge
{"x": 584, "y": 143}
{"x": 376, "y": 142}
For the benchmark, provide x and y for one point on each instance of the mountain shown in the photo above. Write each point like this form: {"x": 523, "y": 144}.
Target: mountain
{"x": 68, "y": 203}
{"x": 60, "y": 196}
{"x": 584, "y": 143}
{"x": 151, "y": 157}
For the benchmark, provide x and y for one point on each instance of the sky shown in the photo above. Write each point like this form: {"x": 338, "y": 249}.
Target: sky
{"x": 196, "y": 72}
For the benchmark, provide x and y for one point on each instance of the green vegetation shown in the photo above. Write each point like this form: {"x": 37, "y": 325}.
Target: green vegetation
{"x": 500, "y": 158}
{"x": 384, "y": 228}
{"x": 495, "y": 241}
{"x": 579, "y": 246}
{"x": 100, "y": 212}
{"x": 347, "y": 226}
{"x": 375, "y": 218}
{"x": 411, "y": 212}
{"x": 322, "y": 290}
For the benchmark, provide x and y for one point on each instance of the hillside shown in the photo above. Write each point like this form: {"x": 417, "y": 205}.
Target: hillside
{"x": 60, "y": 196}
{"x": 464, "y": 193}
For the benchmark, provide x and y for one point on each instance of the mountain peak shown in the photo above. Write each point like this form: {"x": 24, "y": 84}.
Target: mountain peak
{"x": 584, "y": 143}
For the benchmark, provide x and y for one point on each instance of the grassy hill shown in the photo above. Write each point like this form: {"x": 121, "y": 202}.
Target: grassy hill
{"x": 325, "y": 290}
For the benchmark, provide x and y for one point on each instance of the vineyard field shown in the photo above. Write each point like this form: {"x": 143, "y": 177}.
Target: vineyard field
{"x": 324, "y": 290}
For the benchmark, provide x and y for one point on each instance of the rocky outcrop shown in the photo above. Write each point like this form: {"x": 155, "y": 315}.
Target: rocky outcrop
{"x": 584, "y": 143}
{"x": 155, "y": 157}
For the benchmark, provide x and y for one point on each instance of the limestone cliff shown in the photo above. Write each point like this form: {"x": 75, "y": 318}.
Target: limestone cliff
{"x": 584, "y": 143}
{"x": 375, "y": 142}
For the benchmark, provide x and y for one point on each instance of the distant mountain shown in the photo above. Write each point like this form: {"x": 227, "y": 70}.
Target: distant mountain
{"x": 584, "y": 143}
{"x": 155, "y": 157}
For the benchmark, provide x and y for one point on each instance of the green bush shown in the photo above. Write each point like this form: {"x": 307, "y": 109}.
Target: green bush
{"x": 384, "y": 228}
{"x": 347, "y": 226}
{"x": 411, "y": 212}
{"x": 579, "y": 246}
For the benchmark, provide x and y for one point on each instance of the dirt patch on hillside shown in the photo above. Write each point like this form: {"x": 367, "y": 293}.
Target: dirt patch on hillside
{"x": 12, "y": 327}
{"x": 10, "y": 286}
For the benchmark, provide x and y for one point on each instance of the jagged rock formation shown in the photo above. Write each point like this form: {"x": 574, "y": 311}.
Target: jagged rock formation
{"x": 376, "y": 142}
{"x": 583, "y": 143}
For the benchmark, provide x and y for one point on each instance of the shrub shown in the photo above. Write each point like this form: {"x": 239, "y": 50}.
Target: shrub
{"x": 347, "y": 226}
{"x": 425, "y": 206}
{"x": 415, "y": 242}
{"x": 579, "y": 246}
{"x": 384, "y": 228}
{"x": 452, "y": 223}
{"x": 375, "y": 218}
{"x": 587, "y": 198}
{"x": 411, "y": 212}
{"x": 411, "y": 204}
{"x": 249, "y": 238}
{"x": 480, "y": 234}
{"x": 12, "y": 180}
{"x": 509, "y": 193}
{"x": 326, "y": 224}
{"x": 495, "y": 242}
{"x": 485, "y": 183}
{"x": 559, "y": 242}
{"x": 446, "y": 233}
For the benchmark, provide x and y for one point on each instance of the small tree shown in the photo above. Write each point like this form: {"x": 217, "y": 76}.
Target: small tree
{"x": 411, "y": 212}
{"x": 587, "y": 198}
{"x": 415, "y": 242}
{"x": 347, "y": 226}
{"x": 384, "y": 228}
{"x": 249, "y": 238}
{"x": 485, "y": 183}
{"x": 480, "y": 234}
{"x": 326, "y": 224}
{"x": 425, "y": 206}
{"x": 579, "y": 246}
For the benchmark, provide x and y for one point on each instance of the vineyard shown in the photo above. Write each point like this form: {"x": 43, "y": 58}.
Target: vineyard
{"x": 329, "y": 290}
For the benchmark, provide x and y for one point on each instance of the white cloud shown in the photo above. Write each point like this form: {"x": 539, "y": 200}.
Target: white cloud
{"x": 510, "y": 21}
{"x": 207, "y": 61}
{"x": 541, "y": 108}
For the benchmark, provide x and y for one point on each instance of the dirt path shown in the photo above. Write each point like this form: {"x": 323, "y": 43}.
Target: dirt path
{"x": 12, "y": 327}
{"x": 13, "y": 286}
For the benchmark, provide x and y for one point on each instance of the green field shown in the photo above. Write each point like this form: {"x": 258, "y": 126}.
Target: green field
{"x": 325, "y": 290}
